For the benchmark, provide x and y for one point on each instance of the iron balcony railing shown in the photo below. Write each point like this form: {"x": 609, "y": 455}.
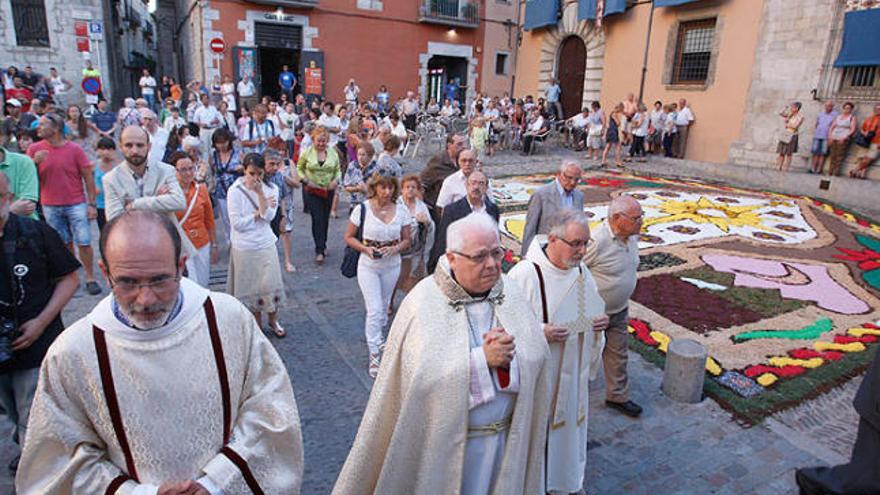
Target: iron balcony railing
{"x": 459, "y": 13}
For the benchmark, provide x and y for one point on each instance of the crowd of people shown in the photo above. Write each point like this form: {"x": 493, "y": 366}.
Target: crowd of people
{"x": 181, "y": 176}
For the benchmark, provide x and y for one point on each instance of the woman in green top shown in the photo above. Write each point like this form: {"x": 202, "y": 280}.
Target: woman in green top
{"x": 319, "y": 169}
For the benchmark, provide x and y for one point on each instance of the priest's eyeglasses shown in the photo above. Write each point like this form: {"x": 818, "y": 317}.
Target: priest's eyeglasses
{"x": 577, "y": 244}
{"x": 496, "y": 254}
{"x": 159, "y": 284}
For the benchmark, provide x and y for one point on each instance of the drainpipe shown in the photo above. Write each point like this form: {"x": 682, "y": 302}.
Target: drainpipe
{"x": 647, "y": 47}
{"x": 517, "y": 42}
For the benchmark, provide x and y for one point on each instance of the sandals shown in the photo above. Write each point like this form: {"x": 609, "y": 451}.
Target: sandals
{"x": 277, "y": 330}
{"x": 289, "y": 268}
{"x": 319, "y": 259}
{"x": 375, "y": 361}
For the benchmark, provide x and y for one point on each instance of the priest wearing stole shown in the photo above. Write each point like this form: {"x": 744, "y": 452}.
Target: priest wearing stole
{"x": 563, "y": 294}
{"x": 460, "y": 404}
{"x": 164, "y": 388}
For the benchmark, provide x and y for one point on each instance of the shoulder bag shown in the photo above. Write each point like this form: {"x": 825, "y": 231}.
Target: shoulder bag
{"x": 350, "y": 258}
{"x": 863, "y": 139}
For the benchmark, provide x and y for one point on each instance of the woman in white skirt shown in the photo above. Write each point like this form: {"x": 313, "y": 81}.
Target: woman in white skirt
{"x": 254, "y": 269}
{"x": 386, "y": 232}
{"x": 197, "y": 220}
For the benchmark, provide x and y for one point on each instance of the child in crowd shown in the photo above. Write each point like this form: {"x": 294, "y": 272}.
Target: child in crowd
{"x": 174, "y": 120}
{"x": 478, "y": 136}
{"x": 282, "y": 174}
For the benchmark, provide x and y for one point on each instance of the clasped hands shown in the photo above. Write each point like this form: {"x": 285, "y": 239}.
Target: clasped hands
{"x": 498, "y": 347}
{"x": 190, "y": 487}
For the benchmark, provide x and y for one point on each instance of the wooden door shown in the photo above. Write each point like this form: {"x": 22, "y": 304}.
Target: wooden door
{"x": 571, "y": 68}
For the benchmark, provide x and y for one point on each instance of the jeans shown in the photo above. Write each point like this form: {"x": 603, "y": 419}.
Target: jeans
{"x": 319, "y": 209}
{"x": 223, "y": 212}
{"x": 377, "y": 279}
{"x": 667, "y": 145}
{"x": 71, "y": 222}
{"x": 151, "y": 101}
{"x": 638, "y": 146}
{"x": 17, "y": 388}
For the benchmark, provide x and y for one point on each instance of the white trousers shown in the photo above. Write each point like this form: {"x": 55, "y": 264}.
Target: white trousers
{"x": 205, "y": 138}
{"x": 198, "y": 267}
{"x": 224, "y": 219}
{"x": 377, "y": 279}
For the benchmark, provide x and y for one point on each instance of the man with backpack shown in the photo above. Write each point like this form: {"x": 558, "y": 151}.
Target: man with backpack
{"x": 39, "y": 278}
{"x": 259, "y": 131}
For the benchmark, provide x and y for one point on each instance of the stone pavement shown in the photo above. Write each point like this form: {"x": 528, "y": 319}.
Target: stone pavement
{"x": 672, "y": 449}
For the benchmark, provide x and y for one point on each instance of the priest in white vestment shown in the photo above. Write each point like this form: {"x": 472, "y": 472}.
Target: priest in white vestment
{"x": 460, "y": 404}
{"x": 165, "y": 387}
{"x": 564, "y": 296}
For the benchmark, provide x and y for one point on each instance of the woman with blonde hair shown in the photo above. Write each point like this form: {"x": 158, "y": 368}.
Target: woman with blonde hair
{"x": 384, "y": 226}
{"x": 320, "y": 172}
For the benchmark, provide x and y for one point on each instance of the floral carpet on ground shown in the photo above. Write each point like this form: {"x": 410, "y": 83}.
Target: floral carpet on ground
{"x": 784, "y": 291}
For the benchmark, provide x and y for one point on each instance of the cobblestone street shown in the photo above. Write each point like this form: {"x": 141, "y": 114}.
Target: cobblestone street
{"x": 672, "y": 449}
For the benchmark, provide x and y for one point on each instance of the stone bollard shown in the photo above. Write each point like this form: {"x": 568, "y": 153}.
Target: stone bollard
{"x": 685, "y": 371}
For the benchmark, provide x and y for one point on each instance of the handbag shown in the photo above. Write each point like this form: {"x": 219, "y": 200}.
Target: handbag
{"x": 318, "y": 191}
{"x": 784, "y": 136}
{"x": 864, "y": 140}
{"x": 595, "y": 131}
{"x": 350, "y": 259}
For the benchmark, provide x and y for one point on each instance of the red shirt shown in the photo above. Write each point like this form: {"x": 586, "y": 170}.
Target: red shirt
{"x": 61, "y": 173}
{"x": 23, "y": 95}
{"x": 872, "y": 123}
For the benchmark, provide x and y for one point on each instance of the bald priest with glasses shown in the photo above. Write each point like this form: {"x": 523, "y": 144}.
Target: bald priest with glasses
{"x": 164, "y": 388}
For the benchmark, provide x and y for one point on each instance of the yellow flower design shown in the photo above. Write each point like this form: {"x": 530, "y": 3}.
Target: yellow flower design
{"x": 704, "y": 210}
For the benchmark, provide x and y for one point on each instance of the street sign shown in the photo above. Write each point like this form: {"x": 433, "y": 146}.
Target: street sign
{"x": 82, "y": 44}
{"x": 91, "y": 85}
{"x": 96, "y": 30}
{"x": 81, "y": 28}
{"x": 218, "y": 45}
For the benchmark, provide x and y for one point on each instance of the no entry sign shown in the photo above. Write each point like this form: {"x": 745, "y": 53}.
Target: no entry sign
{"x": 91, "y": 85}
{"x": 218, "y": 45}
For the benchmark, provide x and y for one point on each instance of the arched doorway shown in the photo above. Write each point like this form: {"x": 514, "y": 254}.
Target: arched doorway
{"x": 571, "y": 67}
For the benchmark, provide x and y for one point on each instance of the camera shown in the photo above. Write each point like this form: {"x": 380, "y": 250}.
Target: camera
{"x": 8, "y": 333}
{"x": 377, "y": 254}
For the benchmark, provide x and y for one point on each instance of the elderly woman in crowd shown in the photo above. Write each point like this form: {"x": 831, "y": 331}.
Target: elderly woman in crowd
{"x": 413, "y": 260}
{"x": 385, "y": 228}
{"x": 254, "y": 270}
{"x": 788, "y": 136}
{"x": 842, "y": 129}
{"x": 283, "y": 176}
{"x": 197, "y": 220}
{"x": 320, "y": 173}
{"x": 226, "y": 168}
{"x": 192, "y": 146}
{"x": 129, "y": 114}
{"x": 388, "y": 157}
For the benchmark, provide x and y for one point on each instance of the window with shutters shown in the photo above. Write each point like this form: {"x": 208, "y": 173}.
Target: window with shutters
{"x": 693, "y": 52}
{"x": 29, "y": 17}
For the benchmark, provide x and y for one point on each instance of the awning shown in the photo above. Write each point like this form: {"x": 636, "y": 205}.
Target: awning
{"x": 861, "y": 39}
{"x": 541, "y": 13}
{"x": 587, "y": 8}
{"x": 671, "y": 3}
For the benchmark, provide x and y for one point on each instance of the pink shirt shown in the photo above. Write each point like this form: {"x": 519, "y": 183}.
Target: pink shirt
{"x": 61, "y": 179}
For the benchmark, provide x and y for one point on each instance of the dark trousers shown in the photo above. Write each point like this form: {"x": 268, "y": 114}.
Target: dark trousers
{"x": 319, "y": 210}
{"x": 409, "y": 121}
{"x": 667, "y": 145}
{"x": 528, "y": 139}
{"x": 638, "y": 146}
{"x": 860, "y": 475}
{"x": 101, "y": 218}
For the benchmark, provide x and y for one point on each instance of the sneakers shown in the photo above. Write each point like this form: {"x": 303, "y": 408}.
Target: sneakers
{"x": 93, "y": 288}
{"x": 629, "y": 408}
{"x": 375, "y": 361}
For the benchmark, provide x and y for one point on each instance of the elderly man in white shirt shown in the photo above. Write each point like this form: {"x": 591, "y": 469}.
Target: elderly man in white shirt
{"x": 330, "y": 121}
{"x": 683, "y": 121}
{"x": 455, "y": 186}
{"x": 578, "y": 128}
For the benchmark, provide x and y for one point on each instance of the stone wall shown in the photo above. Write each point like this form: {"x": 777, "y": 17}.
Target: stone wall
{"x": 61, "y": 53}
{"x": 797, "y": 38}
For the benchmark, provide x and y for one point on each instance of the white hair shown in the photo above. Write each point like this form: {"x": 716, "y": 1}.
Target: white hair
{"x": 475, "y": 222}
{"x": 567, "y": 164}
{"x": 560, "y": 221}
{"x": 620, "y": 204}
{"x": 190, "y": 142}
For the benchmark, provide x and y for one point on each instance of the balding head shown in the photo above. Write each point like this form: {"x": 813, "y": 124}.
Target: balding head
{"x": 139, "y": 230}
{"x": 625, "y": 216}
{"x": 135, "y": 144}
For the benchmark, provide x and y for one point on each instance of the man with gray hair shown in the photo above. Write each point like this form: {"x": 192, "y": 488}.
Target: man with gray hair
{"x": 548, "y": 199}
{"x": 563, "y": 295}
{"x": 466, "y": 352}
{"x": 613, "y": 259}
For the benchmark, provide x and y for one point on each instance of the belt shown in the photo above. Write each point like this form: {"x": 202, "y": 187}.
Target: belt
{"x": 490, "y": 429}
{"x": 380, "y": 244}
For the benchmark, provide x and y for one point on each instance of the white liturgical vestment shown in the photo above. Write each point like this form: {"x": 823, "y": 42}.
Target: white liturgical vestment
{"x": 572, "y": 301}
{"x": 206, "y": 397}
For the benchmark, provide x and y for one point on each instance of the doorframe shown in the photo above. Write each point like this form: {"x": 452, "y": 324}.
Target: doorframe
{"x": 563, "y": 39}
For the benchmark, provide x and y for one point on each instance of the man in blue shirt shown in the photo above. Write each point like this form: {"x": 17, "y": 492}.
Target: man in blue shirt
{"x": 287, "y": 81}
{"x": 452, "y": 89}
{"x": 552, "y": 93}
{"x": 105, "y": 121}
